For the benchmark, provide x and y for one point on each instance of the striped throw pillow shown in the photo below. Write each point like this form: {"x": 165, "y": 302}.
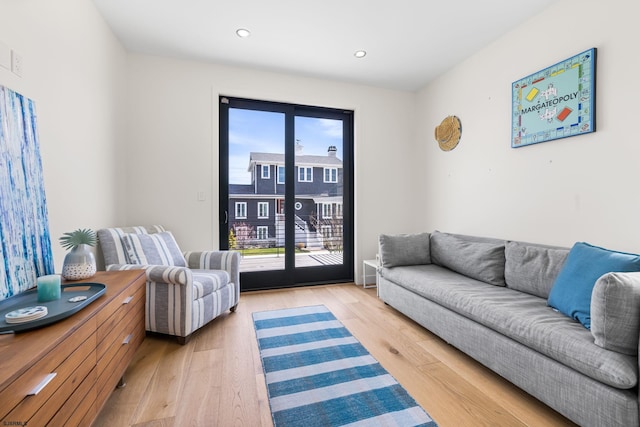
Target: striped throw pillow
{"x": 153, "y": 249}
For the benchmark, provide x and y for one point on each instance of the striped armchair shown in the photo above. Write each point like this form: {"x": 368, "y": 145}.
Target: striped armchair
{"x": 185, "y": 290}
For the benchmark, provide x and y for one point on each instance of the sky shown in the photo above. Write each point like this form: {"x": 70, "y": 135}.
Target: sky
{"x": 263, "y": 132}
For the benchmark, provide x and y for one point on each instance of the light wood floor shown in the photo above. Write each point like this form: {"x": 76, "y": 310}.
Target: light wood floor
{"x": 217, "y": 380}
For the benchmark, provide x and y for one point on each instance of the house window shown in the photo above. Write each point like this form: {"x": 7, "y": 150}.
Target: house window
{"x": 338, "y": 210}
{"x": 305, "y": 174}
{"x": 280, "y": 174}
{"x": 326, "y": 210}
{"x": 330, "y": 175}
{"x": 263, "y": 210}
{"x": 241, "y": 210}
{"x": 265, "y": 171}
{"x": 262, "y": 232}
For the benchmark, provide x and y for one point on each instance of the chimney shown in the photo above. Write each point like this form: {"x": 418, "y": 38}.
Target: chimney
{"x": 299, "y": 147}
{"x": 332, "y": 151}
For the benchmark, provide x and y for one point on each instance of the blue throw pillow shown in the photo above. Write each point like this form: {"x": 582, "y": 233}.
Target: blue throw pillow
{"x": 571, "y": 291}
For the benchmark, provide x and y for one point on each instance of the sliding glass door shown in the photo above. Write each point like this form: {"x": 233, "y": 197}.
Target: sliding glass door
{"x": 286, "y": 192}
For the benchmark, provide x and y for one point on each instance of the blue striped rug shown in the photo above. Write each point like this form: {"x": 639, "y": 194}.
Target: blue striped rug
{"x": 318, "y": 374}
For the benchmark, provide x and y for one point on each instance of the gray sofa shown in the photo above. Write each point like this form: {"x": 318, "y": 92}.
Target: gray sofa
{"x": 489, "y": 298}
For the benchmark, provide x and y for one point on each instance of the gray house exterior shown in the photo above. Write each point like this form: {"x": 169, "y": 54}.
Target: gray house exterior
{"x": 256, "y": 210}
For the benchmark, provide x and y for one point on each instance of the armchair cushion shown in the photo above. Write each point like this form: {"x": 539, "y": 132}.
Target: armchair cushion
{"x": 153, "y": 249}
{"x": 206, "y": 282}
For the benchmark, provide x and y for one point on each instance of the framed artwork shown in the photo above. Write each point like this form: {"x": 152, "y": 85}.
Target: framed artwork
{"x": 556, "y": 102}
{"x": 25, "y": 244}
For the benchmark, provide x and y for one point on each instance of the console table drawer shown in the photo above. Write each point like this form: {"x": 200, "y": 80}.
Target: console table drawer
{"x": 111, "y": 367}
{"x": 39, "y": 392}
{"x": 125, "y": 333}
{"x": 113, "y": 311}
{"x": 80, "y": 408}
{"x": 86, "y": 368}
{"x": 118, "y": 338}
{"x": 112, "y": 330}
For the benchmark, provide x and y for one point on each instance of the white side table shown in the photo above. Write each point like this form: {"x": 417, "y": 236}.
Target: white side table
{"x": 368, "y": 264}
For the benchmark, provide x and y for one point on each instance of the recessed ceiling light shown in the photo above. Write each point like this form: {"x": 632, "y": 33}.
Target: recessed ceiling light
{"x": 360, "y": 53}
{"x": 243, "y": 33}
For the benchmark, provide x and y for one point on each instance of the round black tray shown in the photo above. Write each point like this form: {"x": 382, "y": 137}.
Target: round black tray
{"x": 57, "y": 310}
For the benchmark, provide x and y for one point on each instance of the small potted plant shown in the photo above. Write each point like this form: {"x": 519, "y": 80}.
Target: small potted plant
{"x": 79, "y": 263}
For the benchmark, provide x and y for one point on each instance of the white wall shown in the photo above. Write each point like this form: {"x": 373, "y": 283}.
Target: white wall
{"x": 583, "y": 188}
{"x": 173, "y": 141}
{"x": 121, "y": 131}
{"x": 74, "y": 70}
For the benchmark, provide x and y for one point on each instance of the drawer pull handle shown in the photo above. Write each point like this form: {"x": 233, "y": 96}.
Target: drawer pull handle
{"x": 37, "y": 389}
{"x": 127, "y": 300}
{"x": 127, "y": 339}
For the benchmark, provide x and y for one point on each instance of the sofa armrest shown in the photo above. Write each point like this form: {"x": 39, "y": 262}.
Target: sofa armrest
{"x": 216, "y": 260}
{"x": 159, "y": 273}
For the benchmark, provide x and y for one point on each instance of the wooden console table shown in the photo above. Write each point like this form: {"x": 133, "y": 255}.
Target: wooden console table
{"x": 62, "y": 374}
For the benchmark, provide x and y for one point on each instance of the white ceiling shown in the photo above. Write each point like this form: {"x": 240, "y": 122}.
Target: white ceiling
{"x": 408, "y": 42}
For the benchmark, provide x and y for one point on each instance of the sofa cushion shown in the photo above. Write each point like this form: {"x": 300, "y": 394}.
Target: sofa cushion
{"x": 532, "y": 268}
{"x": 153, "y": 249}
{"x": 571, "y": 292}
{"x": 615, "y": 312}
{"x": 404, "y": 249}
{"x": 479, "y": 258}
{"x": 522, "y": 317}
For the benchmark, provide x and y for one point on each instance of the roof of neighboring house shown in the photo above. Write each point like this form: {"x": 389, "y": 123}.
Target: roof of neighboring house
{"x": 241, "y": 189}
{"x": 301, "y": 160}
